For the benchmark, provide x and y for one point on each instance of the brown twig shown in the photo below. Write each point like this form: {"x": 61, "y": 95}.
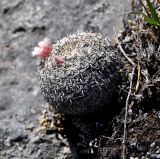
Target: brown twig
{"x": 145, "y": 8}
{"x": 121, "y": 49}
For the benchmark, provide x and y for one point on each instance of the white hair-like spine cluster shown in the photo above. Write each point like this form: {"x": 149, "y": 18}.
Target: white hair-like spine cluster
{"x": 86, "y": 79}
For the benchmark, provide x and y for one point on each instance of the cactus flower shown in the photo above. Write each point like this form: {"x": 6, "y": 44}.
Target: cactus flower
{"x": 59, "y": 60}
{"x": 43, "y": 50}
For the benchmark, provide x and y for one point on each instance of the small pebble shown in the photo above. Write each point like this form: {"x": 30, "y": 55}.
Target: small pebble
{"x": 152, "y": 144}
{"x": 91, "y": 144}
{"x": 33, "y": 111}
{"x": 30, "y": 126}
{"x": 148, "y": 154}
{"x": 134, "y": 145}
{"x": 153, "y": 155}
{"x": 158, "y": 151}
{"x": 35, "y": 140}
{"x": 130, "y": 111}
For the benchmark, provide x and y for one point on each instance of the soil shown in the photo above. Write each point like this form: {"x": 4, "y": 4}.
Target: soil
{"x": 28, "y": 127}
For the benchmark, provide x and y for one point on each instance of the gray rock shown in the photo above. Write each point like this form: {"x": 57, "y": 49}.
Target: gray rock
{"x": 22, "y": 24}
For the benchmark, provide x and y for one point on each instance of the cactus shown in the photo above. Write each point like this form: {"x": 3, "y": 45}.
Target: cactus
{"x": 81, "y": 74}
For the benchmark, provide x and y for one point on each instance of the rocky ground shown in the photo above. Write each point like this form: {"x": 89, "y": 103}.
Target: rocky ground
{"x": 22, "y": 24}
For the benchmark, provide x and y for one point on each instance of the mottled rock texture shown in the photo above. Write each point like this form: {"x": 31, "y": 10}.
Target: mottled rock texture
{"x": 22, "y": 24}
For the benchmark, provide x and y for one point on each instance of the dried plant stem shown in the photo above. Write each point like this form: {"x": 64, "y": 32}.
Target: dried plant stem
{"x": 121, "y": 49}
{"x": 145, "y": 8}
{"x": 128, "y": 96}
{"x": 138, "y": 79}
{"x": 126, "y": 114}
{"x": 124, "y": 54}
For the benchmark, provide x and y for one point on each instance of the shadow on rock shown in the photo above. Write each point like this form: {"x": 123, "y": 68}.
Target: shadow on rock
{"x": 83, "y": 133}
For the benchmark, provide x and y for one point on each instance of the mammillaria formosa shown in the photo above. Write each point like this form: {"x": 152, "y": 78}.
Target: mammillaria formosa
{"x": 80, "y": 74}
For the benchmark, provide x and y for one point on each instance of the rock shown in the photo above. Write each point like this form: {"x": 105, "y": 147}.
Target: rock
{"x": 22, "y": 25}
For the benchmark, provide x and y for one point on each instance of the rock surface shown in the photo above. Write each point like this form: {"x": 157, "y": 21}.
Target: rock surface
{"x": 22, "y": 24}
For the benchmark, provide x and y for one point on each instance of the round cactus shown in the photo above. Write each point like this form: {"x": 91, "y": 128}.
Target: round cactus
{"x": 81, "y": 74}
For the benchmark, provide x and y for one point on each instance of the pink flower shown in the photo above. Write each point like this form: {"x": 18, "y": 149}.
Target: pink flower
{"x": 43, "y": 50}
{"x": 59, "y": 60}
